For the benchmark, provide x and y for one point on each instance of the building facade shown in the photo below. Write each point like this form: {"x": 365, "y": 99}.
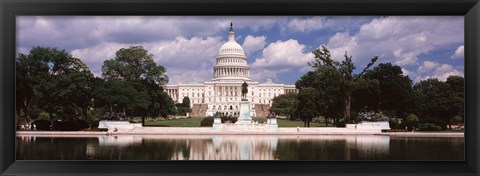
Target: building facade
{"x": 224, "y": 92}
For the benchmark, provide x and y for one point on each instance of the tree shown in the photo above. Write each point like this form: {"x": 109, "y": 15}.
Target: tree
{"x": 55, "y": 81}
{"x": 161, "y": 104}
{"x": 438, "y": 100}
{"x": 365, "y": 95}
{"x": 284, "y": 104}
{"x": 184, "y": 107}
{"x": 134, "y": 64}
{"x": 306, "y": 107}
{"x": 116, "y": 95}
{"x": 345, "y": 68}
{"x": 137, "y": 67}
{"x": 395, "y": 89}
{"x": 456, "y": 85}
{"x": 326, "y": 81}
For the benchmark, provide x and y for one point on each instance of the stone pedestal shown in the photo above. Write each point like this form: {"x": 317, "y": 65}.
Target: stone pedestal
{"x": 244, "y": 117}
{"x": 217, "y": 123}
{"x": 272, "y": 124}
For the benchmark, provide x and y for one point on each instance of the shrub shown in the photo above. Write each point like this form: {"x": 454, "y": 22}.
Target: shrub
{"x": 207, "y": 122}
{"x": 94, "y": 124}
{"x": 429, "y": 127}
{"x": 435, "y": 121}
{"x": 228, "y": 118}
{"x": 74, "y": 125}
{"x": 394, "y": 123}
{"x": 410, "y": 121}
{"x": 371, "y": 117}
{"x": 41, "y": 125}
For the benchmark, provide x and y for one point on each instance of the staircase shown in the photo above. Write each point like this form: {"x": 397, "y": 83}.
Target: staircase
{"x": 199, "y": 110}
{"x": 262, "y": 110}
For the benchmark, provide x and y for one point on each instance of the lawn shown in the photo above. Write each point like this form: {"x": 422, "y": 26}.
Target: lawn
{"x": 289, "y": 123}
{"x": 190, "y": 122}
{"x": 195, "y": 122}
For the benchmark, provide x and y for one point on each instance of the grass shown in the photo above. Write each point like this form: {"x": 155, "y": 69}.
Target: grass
{"x": 195, "y": 122}
{"x": 289, "y": 123}
{"x": 189, "y": 122}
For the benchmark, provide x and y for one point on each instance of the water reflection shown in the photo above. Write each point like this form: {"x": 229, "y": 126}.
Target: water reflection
{"x": 239, "y": 147}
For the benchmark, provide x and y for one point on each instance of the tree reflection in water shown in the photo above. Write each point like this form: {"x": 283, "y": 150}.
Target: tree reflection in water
{"x": 239, "y": 147}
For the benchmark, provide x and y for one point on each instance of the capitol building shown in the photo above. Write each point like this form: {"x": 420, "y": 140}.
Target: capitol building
{"x": 223, "y": 93}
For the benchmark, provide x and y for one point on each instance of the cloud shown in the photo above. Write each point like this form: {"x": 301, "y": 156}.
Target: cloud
{"x": 459, "y": 53}
{"x": 306, "y": 24}
{"x": 87, "y": 31}
{"x": 309, "y": 24}
{"x": 96, "y": 55}
{"x": 280, "y": 57}
{"x": 431, "y": 69}
{"x": 261, "y": 75}
{"x": 400, "y": 40}
{"x": 185, "y": 59}
{"x": 253, "y": 44}
{"x": 283, "y": 54}
{"x": 427, "y": 66}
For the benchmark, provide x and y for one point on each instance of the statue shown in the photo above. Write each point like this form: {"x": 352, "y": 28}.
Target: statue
{"x": 244, "y": 90}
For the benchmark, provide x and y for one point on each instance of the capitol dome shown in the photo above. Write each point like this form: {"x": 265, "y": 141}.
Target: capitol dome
{"x": 231, "y": 62}
{"x": 231, "y": 47}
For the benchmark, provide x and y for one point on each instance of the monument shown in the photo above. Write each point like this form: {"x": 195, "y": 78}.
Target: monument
{"x": 244, "y": 115}
{"x": 245, "y": 121}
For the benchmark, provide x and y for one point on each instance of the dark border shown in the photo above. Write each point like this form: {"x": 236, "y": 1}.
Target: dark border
{"x": 10, "y": 8}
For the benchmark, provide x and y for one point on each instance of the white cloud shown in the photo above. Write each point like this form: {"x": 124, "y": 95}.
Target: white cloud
{"x": 261, "y": 75}
{"x": 337, "y": 23}
{"x": 459, "y": 53}
{"x": 406, "y": 72}
{"x": 94, "y": 56}
{"x": 280, "y": 57}
{"x": 306, "y": 24}
{"x": 431, "y": 69}
{"x": 400, "y": 40}
{"x": 427, "y": 66}
{"x": 185, "y": 59}
{"x": 283, "y": 54}
{"x": 253, "y": 44}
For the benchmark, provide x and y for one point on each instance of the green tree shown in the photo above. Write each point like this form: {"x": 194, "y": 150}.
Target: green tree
{"x": 134, "y": 64}
{"x": 116, "y": 95}
{"x": 395, "y": 89}
{"x": 326, "y": 81}
{"x": 345, "y": 68}
{"x": 137, "y": 67}
{"x": 438, "y": 100}
{"x": 284, "y": 104}
{"x": 306, "y": 107}
{"x": 456, "y": 85}
{"x": 184, "y": 107}
{"x": 55, "y": 81}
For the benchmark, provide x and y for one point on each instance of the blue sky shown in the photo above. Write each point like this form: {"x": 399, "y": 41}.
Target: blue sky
{"x": 277, "y": 48}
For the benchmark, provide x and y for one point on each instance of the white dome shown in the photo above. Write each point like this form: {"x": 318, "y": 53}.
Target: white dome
{"x": 231, "y": 47}
{"x": 231, "y": 62}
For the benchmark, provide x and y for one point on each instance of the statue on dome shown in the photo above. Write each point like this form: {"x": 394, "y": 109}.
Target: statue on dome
{"x": 244, "y": 90}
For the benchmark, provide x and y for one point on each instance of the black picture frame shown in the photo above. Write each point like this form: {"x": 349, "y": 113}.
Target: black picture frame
{"x": 11, "y": 8}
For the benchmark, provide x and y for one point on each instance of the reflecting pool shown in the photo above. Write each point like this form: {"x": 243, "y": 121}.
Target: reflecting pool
{"x": 240, "y": 147}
